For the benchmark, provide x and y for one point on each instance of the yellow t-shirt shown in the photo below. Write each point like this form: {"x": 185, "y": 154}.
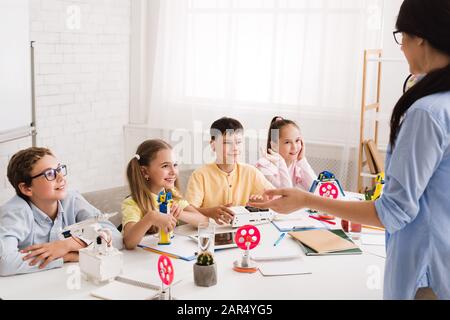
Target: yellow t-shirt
{"x": 209, "y": 186}
{"x": 132, "y": 213}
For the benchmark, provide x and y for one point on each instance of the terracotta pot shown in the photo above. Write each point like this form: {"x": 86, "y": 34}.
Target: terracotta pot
{"x": 205, "y": 276}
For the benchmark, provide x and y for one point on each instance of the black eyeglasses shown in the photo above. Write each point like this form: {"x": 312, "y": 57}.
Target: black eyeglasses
{"x": 398, "y": 37}
{"x": 51, "y": 174}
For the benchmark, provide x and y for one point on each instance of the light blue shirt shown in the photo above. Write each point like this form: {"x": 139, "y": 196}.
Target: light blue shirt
{"x": 415, "y": 205}
{"x": 22, "y": 224}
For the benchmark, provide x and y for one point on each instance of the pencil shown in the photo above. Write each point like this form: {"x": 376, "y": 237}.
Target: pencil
{"x": 373, "y": 228}
{"x": 160, "y": 252}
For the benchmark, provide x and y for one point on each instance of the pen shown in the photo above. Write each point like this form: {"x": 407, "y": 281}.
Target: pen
{"x": 323, "y": 220}
{"x": 279, "y": 239}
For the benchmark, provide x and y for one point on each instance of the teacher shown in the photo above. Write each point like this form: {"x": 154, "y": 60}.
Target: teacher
{"x": 415, "y": 206}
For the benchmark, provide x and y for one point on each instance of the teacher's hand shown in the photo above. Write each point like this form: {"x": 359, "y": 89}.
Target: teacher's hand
{"x": 281, "y": 200}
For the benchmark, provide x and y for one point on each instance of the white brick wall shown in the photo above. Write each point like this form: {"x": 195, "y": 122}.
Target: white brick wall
{"x": 6, "y": 151}
{"x": 82, "y": 90}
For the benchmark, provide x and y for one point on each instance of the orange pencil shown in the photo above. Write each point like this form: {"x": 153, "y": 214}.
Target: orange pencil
{"x": 373, "y": 228}
{"x": 160, "y": 252}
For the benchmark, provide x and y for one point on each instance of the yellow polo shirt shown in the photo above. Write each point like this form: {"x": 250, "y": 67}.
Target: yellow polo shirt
{"x": 132, "y": 213}
{"x": 209, "y": 186}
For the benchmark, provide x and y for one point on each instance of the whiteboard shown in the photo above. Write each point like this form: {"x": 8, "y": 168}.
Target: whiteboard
{"x": 15, "y": 77}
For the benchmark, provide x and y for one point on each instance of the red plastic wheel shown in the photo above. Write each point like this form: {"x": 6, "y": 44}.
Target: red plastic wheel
{"x": 247, "y": 235}
{"x": 328, "y": 190}
{"x": 165, "y": 270}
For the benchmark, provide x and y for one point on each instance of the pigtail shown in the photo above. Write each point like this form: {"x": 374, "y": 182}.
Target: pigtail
{"x": 140, "y": 191}
{"x": 272, "y": 126}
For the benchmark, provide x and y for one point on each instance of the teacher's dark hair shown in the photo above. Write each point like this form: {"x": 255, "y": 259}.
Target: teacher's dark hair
{"x": 430, "y": 20}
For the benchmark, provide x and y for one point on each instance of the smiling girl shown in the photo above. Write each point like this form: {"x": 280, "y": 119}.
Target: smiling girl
{"x": 284, "y": 163}
{"x": 152, "y": 170}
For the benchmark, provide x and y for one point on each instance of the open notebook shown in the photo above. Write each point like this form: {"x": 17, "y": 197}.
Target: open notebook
{"x": 181, "y": 247}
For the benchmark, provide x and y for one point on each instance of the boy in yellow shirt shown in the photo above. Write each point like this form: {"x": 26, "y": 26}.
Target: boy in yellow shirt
{"x": 215, "y": 187}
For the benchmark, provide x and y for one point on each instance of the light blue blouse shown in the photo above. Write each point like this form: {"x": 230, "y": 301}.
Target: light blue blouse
{"x": 415, "y": 205}
{"x": 23, "y": 224}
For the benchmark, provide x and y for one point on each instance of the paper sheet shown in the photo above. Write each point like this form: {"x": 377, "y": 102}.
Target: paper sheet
{"x": 373, "y": 239}
{"x": 297, "y": 220}
{"x": 279, "y": 252}
{"x": 283, "y": 267}
{"x": 378, "y": 251}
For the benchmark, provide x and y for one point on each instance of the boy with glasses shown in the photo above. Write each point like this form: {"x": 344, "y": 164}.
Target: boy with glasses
{"x": 32, "y": 221}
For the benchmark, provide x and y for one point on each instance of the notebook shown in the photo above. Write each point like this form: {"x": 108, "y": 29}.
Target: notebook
{"x": 126, "y": 289}
{"x": 181, "y": 247}
{"x": 325, "y": 242}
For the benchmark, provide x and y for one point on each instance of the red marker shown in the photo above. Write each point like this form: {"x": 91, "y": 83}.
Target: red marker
{"x": 323, "y": 220}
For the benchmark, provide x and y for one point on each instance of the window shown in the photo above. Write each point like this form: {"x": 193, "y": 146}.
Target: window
{"x": 302, "y": 55}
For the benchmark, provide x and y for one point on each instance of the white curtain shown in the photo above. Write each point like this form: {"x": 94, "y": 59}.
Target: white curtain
{"x": 253, "y": 59}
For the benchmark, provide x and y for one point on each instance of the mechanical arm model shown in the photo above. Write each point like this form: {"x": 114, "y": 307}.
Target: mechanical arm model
{"x": 99, "y": 261}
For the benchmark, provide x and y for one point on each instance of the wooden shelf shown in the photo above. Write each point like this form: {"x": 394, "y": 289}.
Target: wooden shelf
{"x": 368, "y": 152}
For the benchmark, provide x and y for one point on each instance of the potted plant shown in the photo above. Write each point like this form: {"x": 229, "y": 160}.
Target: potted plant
{"x": 205, "y": 270}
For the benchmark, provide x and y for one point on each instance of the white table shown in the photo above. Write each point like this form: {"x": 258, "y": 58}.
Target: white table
{"x": 333, "y": 277}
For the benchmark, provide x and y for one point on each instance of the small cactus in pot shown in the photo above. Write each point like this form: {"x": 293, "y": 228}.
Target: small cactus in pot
{"x": 205, "y": 259}
{"x": 205, "y": 270}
